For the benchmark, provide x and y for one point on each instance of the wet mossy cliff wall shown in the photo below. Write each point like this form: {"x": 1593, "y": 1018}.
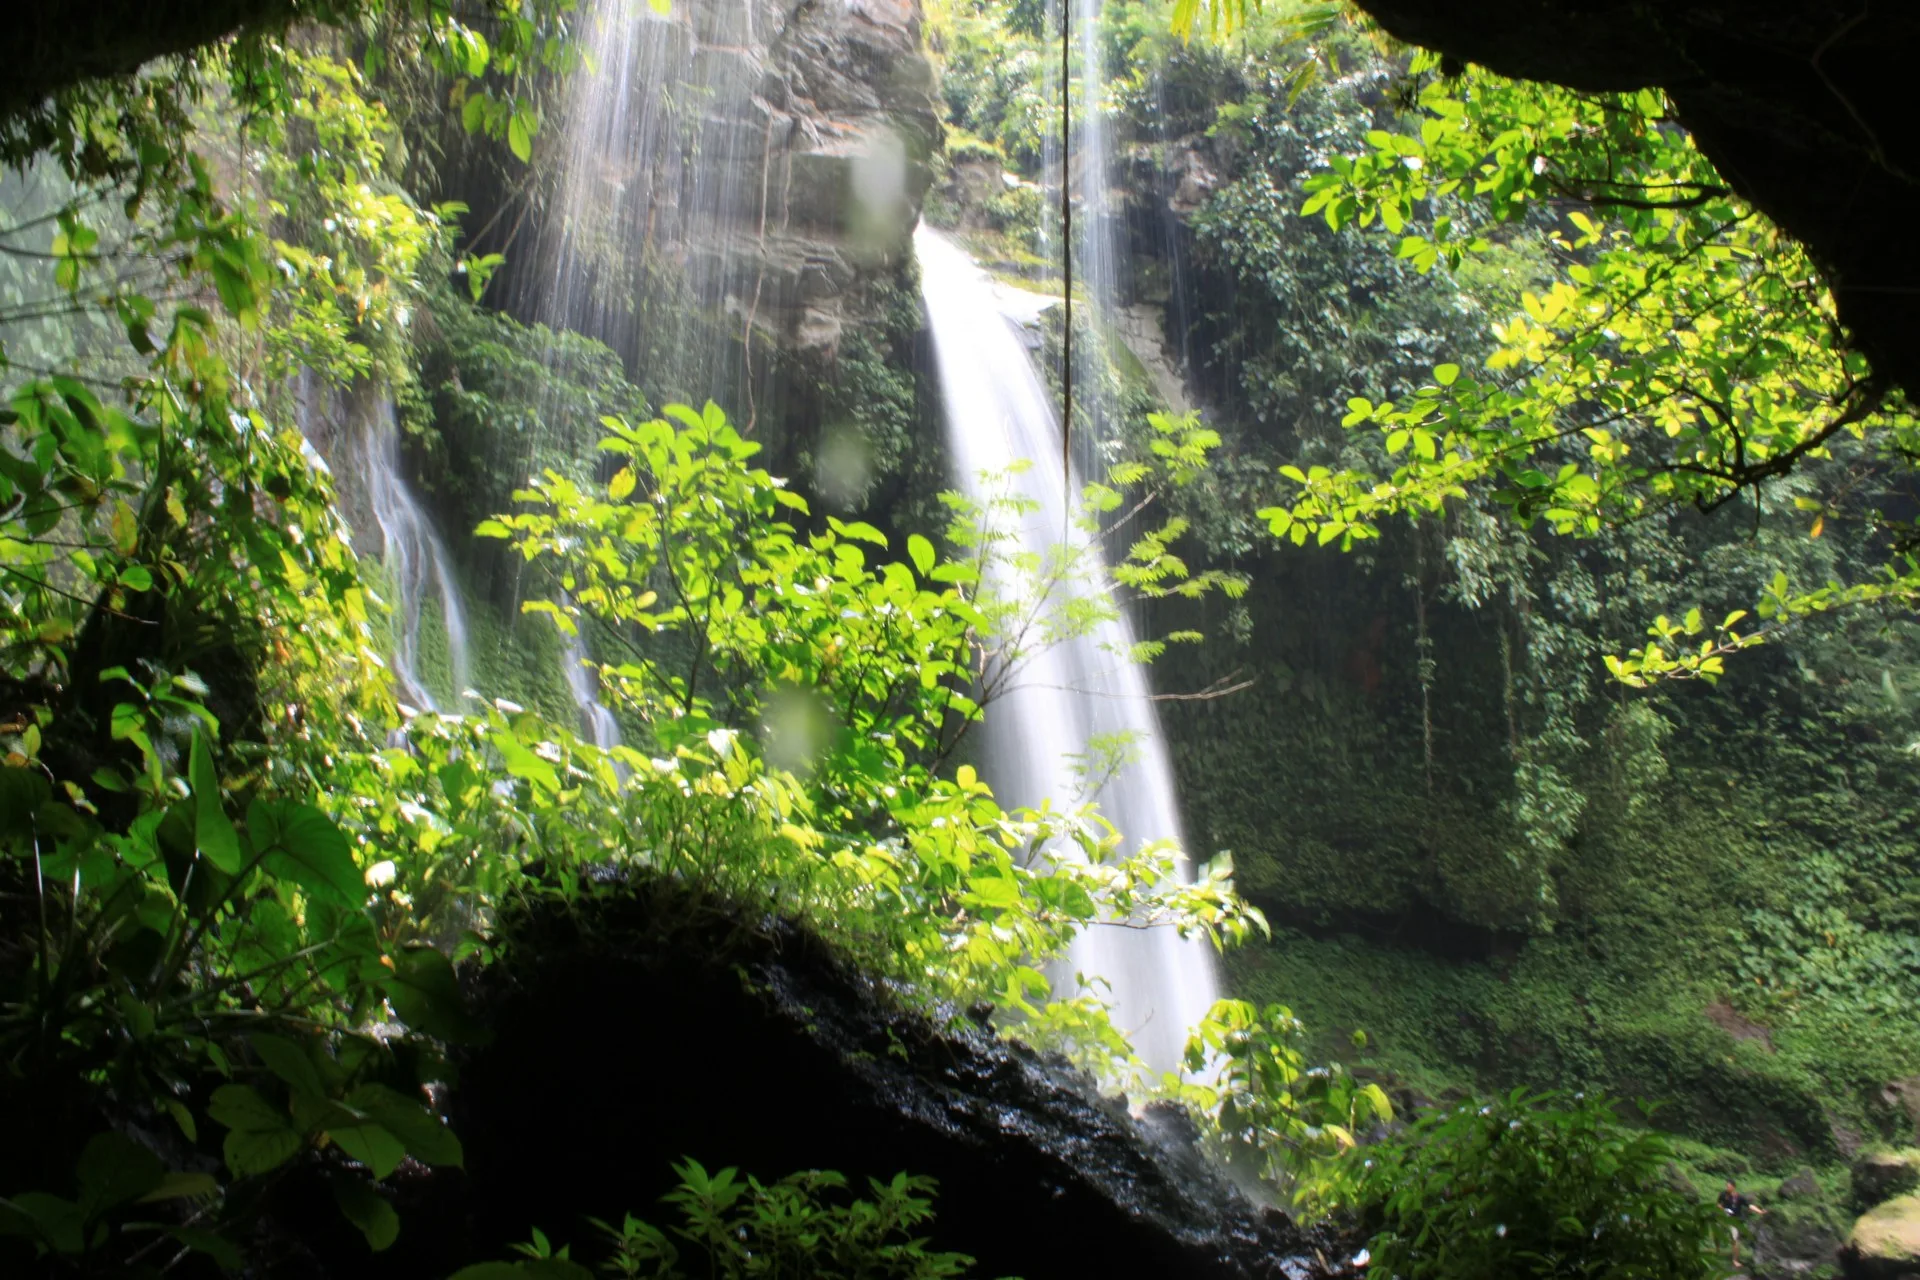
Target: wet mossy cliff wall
{"x": 719, "y": 205}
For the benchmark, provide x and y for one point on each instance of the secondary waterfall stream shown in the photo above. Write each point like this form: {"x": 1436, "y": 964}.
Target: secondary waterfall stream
{"x": 365, "y": 445}
{"x": 1072, "y": 696}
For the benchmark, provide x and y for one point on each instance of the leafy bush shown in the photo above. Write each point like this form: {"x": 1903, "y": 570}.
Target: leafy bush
{"x": 1533, "y": 1185}
{"x": 733, "y": 1227}
{"x": 1269, "y": 1112}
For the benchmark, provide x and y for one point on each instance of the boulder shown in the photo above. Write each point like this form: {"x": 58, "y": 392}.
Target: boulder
{"x": 644, "y": 1024}
{"x": 1881, "y": 1175}
{"x": 1800, "y": 1186}
{"x": 1885, "y": 1243}
{"x": 1801, "y": 1233}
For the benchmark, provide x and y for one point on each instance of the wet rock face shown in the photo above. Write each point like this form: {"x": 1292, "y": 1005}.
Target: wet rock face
{"x": 734, "y": 173}
{"x": 647, "y": 1026}
{"x": 818, "y": 121}
{"x": 1803, "y": 105}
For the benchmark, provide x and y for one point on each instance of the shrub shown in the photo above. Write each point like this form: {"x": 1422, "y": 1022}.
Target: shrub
{"x": 1538, "y": 1185}
{"x": 806, "y": 1224}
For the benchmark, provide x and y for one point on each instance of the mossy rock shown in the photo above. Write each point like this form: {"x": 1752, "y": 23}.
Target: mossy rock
{"x": 1798, "y": 1238}
{"x": 1879, "y": 1176}
{"x": 1885, "y": 1244}
{"x": 1801, "y": 1185}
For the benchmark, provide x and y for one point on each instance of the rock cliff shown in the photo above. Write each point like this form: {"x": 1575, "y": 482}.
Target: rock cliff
{"x": 752, "y": 163}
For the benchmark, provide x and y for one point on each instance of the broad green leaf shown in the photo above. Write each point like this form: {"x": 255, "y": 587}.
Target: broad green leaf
{"x": 366, "y": 1209}
{"x": 369, "y": 1143}
{"x": 921, "y": 552}
{"x": 522, "y": 763}
{"x": 425, "y": 1137}
{"x": 259, "y": 1138}
{"x": 213, "y": 831}
{"x": 290, "y": 1062}
{"x": 302, "y": 844}
{"x": 60, "y": 1223}
{"x": 113, "y": 1170}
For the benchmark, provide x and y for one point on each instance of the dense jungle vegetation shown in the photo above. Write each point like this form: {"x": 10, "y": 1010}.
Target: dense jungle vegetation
{"x": 1596, "y": 775}
{"x": 1539, "y": 824}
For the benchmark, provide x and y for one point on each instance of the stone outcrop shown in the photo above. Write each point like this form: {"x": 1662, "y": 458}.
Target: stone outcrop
{"x": 1885, "y": 1243}
{"x": 749, "y": 161}
{"x": 1879, "y": 1176}
{"x": 644, "y": 1025}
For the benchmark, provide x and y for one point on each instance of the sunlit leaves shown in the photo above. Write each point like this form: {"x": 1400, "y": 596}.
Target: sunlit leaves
{"x": 1249, "y": 1074}
{"x": 791, "y": 749}
{"x": 299, "y": 843}
{"x": 1686, "y": 355}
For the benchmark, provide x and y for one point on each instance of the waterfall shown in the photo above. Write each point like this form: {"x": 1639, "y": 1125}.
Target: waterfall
{"x": 1096, "y": 237}
{"x": 414, "y": 557}
{"x": 1069, "y": 698}
{"x": 648, "y": 170}
{"x": 361, "y": 431}
{"x": 602, "y": 730}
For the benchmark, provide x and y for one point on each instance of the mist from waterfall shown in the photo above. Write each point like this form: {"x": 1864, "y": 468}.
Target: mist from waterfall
{"x": 651, "y": 178}
{"x": 1067, "y": 699}
{"x": 1097, "y": 248}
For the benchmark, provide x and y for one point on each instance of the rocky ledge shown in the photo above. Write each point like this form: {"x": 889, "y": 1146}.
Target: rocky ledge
{"x": 641, "y": 1025}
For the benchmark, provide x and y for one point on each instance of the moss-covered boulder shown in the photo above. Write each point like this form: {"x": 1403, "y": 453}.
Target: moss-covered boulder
{"x": 1885, "y": 1244}
{"x": 1880, "y": 1175}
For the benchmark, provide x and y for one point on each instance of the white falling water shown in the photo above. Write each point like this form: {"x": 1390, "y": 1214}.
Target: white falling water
{"x": 1068, "y": 697}
{"x": 1096, "y": 246}
{"x": 602, "y": 730}
{"x": 621, "y": 150}
{"x": 364, "y": 437}
{"x": 414, "y": 557}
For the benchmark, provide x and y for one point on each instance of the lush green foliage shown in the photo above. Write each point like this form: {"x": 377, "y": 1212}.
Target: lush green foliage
{"x": 1456, "y": 753}
{"x": 225, "y": 856}
{"x": 734, "y": 1228}
{"x": 1685, "y": 354}
{"x": 1532, "y": 1185}
{"x": 795, "y": 731}
{"x": 1268, "y": 1112}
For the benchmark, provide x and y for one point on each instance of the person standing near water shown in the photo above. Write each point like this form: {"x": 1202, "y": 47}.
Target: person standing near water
{"x": 1739, "y": 1208}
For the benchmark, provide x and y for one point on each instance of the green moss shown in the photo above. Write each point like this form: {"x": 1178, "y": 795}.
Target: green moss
{"x": 522, "y": 660}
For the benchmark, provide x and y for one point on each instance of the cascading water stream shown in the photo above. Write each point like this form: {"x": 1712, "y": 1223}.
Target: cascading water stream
{"x": 365, "y": 436}
{"x": 1096, "y": 244}
{"x": 1070, "y": 697}
{"x": 602, "y": 729}
{"x": 414, "y": 557}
